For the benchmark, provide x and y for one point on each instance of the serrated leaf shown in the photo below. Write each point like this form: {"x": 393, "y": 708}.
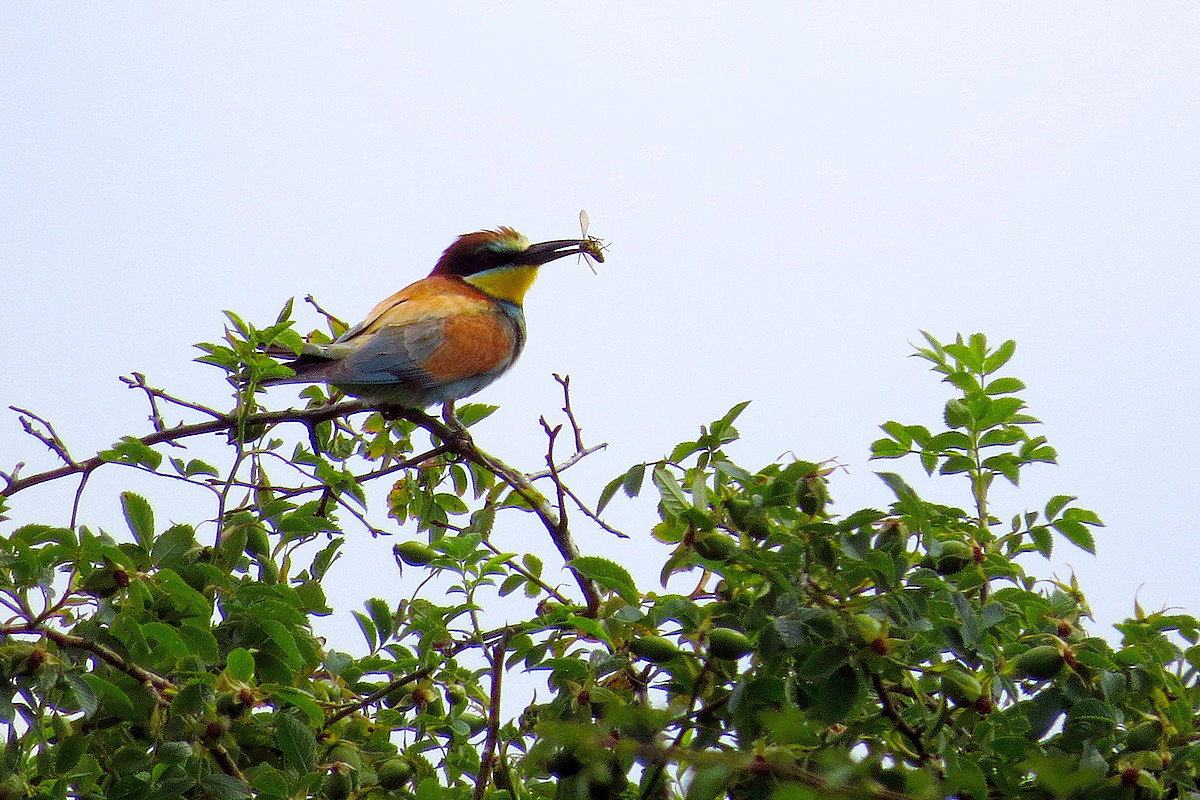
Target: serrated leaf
{"x": 956, "y": 414}
{"x": 381, "y": 616}
{"x": 200, "y": 640}
{"x": 897, "y": 484}
{"x": 591, "y": 627}
{"x": 1083, "y": 515}
{"x": 172, "y": 545}
{"x": 295, "y": 741}
{"x": 368, "y": 630}
{"x": 608, "y": 492}
{"x": 888, "y": 448}
{"x": 302, "y": 701}
{"x": 112, "y": 698}
{"x": 239, "y": 665}
{"x": 683, "y": 450}
{"x": 510, "y": 584}
{"x": 284, "y": 640}
{"x": 1004, "y": 386}
{"x": 167, "y": 638}
{"x": 999, "y": 357}
{"x": 673, "y": 500}
{"x": 837, "y": 695}
{"x": 608, "y": 574}
{"x": 187, "y": 600}
{"x": 224, "y": 787}
{"x": 140, "y": 518}
{"x": 632, "y": 485}
{"x": 1057, "y": 504}
{"x": 1077, "y": 534}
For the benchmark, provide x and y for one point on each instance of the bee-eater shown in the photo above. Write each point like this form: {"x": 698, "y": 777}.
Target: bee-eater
{"x": 447, "y": 335}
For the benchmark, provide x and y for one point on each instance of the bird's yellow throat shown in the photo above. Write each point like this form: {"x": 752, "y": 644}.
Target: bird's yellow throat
{"x": 506, "y": 283}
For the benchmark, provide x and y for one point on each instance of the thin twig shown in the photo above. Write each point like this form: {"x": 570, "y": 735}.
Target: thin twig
{"x": 565, "y": 383}
{"x": 570, "y": 462}
{"x": 225, "y": 761}
{"x": 376, "y": 695}
{"x": 225, "y": 422}
{"x": 559, "y": 489}
{"x": 157, "y": 684}
{"x": 493, "y": 723}
{"x": 527, "y": 575}
{"x": 908, "y": 731}
{"x": 138, "y": 381}
{"x": 587, "y": 512}
{"x": 50, "y": 438}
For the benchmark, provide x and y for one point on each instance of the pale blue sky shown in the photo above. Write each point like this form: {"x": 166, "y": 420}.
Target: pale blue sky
{"x": 791, "y": 191}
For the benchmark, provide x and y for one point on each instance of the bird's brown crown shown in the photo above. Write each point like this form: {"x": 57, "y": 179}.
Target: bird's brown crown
{"x": 477, "y": 252}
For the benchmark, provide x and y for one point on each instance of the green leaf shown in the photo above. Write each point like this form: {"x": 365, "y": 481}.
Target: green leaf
{"x": 239, "y": 665}
{"x": 999, "y": 357}
{"x": 897, "y": 484}
{"x": 1057, "y": 504}
{"x": 1000, "y": 411}
{"x": 608, "y": 492}
{"x": 140, "y": 517}
{"x": 285, "y": 641}
{"x": 471, "y": 413}
{"x": 368, "y": 630}
{"x": 200, "y": 640}
{"x": 132, "y": 451}
{"x": 295, "y": 741}
{"x": 167, "y": 638}
{"x": 112, "y": 698}
{"x": 224, "y": 787}
{"x": 632, "y": 485}
{"x": 673, "y": 500}
{"x": 963, "y": 775}
{"x": 589, "y": 626}
{"x": 837, "y": 696}
{"x": 608, "y": 574}
{"x": 381, "y": 616}
{"x": 888, "y": 448}
{"x": 683, "y": 450}
{"x": 1082, "y": 515}
{"x": 1077, "y": 534}
{"x": 1004, "y": 386}
{"x": 189, "y": 602}
{"x": 719, "y": 427}
{"x": 303, "y": 701}
{"x": 172, "y": 545}
{"x": 956, "y": 414}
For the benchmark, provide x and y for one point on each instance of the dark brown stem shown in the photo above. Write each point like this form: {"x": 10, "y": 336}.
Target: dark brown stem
{"x": 225, "y": 761}
{"x": 459, "y": 442}
{"x": 565, "y": 383}
{"x": 225, "y": 422}
{"x": 152, "y": 681}
{"x": 376, "y": 695}
{"x": 493, "y": 724}
{"x": 908, "y": 731}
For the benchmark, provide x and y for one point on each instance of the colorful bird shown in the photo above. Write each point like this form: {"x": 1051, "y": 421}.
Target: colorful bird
{"x": 446, "y": 336}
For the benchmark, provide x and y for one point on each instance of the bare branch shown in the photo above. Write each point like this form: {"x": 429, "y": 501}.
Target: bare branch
{"x": 49, "y": 437}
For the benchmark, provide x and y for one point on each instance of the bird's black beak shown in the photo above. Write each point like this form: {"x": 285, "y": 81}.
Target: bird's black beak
{"x": 545, "y": 252}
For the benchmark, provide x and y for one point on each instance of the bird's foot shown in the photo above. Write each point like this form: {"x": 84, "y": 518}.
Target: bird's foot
{"x": 458, "y": 431}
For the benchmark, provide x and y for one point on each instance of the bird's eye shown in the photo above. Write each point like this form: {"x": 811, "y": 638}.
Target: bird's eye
{"x": 487, "y": 258}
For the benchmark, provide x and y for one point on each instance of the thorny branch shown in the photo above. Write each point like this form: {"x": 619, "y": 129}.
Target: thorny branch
{"x": 455, "y": 440}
